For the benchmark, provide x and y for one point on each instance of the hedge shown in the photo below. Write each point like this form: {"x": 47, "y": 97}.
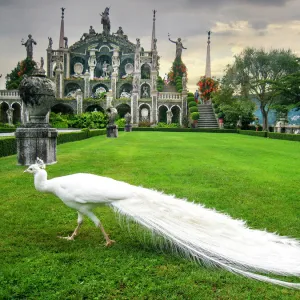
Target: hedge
{"x": 8, "y": 146}
{"x": 284, "y": 136}
{"x": 7, "y": 130}
{"x": 216, "y": 130}
{"x": 254, "y": 133}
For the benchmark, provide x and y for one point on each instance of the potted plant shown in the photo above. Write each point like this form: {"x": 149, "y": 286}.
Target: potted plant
{"x": 195, "y": 116}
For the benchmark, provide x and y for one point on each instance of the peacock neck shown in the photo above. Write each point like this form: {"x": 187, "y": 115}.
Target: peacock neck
{"x": 40, "y": 181}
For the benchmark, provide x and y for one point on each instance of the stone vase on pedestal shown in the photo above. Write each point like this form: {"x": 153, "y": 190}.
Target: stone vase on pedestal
{"x": 36, "y": 138}
{"x": 112, "y": 128}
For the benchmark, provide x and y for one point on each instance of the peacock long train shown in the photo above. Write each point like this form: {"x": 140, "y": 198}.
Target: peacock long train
{"x": 203, "y": 234}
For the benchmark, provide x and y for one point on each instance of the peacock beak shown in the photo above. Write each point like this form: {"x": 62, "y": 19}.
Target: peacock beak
{"x": 26, "y": 171}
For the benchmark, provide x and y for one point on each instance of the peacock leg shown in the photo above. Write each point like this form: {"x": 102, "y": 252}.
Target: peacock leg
{"x": 97, "y": 222}
{"x": 79, "y": 223}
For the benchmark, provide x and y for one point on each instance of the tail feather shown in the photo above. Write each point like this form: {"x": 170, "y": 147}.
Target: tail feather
{"x": 214, "y": 238}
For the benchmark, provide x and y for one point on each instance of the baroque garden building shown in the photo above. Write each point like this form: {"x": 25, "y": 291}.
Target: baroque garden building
{"x": 105, "y": 62}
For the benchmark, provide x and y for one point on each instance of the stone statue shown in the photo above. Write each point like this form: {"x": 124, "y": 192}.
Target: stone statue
{"x": 145, "y": 92}
{"x": 112, "y": 115}
{"x": 92, "y": 30}
{"x": 127, "y": 118}
{"x": 184, "y": 80}
{"x": 120, "y": 32}
{"x": 135, "y": 83}
{"x": 50, "y": 43}
{"x": 42, "y": 63}
{"x": 179, "y": 47}
{"x": 105, "y": 68}
{"x": 138, "y": 45}
{"x": 105, "y": 21}
{"x": 239, "y": 123}
{"x": 66, "y": 42}
{"x": 29, "y": 46}
{"x": 169, "y": 117}
{"x": 137, "y": 61}
{"x": 9, "y": 113}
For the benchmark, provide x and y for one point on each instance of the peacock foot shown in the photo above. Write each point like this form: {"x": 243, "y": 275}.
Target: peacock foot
{"x": 69, "y": 238}
{"x": 109, "y": 243}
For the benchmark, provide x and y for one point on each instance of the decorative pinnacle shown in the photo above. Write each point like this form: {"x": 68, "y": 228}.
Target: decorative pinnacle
{"x": 154, "y": 12}
{"x": 209, "y": 33}
{"x": 62, "y": 12}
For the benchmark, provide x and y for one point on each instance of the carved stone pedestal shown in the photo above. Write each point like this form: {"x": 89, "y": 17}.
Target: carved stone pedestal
{"x": 128, "y": 128}
{"x": 112, "y": 131}
{"x": 36, "y": 142}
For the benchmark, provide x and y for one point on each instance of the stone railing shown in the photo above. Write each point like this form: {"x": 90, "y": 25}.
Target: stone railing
{"x": 9, "y": 94}
{"x": 169, "y": 96}
{"x": 292, "y": 129}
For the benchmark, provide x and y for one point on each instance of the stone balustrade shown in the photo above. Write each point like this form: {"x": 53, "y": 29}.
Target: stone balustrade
{"x": 169, "y": 96}
{"x": 291, "y": 129}
{"x": 9, "y": 95}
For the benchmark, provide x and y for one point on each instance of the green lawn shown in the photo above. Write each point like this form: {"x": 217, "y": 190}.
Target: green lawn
{"x": 251, "y": 178}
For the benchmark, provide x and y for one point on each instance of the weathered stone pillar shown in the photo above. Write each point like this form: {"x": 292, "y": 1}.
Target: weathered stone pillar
{"x": 184, "y": 105}
{"x": 79, "y": 101}
{"x": 59, "y": 79}
{"x": 35, "y": 138}
{"x": 109, "y": 99}
{"x": 86, "y": 84}
{"x": 154, "y": 96}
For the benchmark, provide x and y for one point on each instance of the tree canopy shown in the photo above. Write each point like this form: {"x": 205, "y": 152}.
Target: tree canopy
{"x": 254, "y": 72}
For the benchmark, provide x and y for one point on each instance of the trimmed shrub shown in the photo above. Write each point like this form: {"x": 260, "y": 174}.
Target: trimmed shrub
{"x": 254, "y": 133}
{"x": 165, "y": 125}
{"x": 284, "y": 136}
{"x": 189, "y": 99}
{"x": 193, "y": 109}
{"x": 192, "y": 103}
{"x": 195, "y": 116}
{"x": 190, "y": 95}
{"x": 8, "y": 146}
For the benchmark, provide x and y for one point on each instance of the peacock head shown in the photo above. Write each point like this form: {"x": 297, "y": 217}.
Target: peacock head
{"x": 39, "y": 165}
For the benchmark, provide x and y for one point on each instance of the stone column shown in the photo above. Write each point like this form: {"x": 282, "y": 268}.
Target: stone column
{"x": 154, "y": 96}
{"x": 68, "y": 65}
{"x": 184, "y": 105}
{"x": 92, "y": 63}
{"x": 114, "y": 78}
{"x": 79, "y": 101}
{"x": 109, "y": 99}
{"x": 86, "y": 77}
{"x": 49, "y": 63}
{"x": 59, "y": 79}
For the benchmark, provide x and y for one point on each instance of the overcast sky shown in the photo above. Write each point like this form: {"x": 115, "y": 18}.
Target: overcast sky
{"x": 235, "y": 24}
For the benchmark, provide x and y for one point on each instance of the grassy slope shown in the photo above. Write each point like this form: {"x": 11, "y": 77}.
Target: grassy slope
{"x": 252, "y": 178}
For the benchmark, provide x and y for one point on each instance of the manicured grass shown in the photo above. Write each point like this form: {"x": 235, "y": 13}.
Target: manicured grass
{"x": 247, "y": 177}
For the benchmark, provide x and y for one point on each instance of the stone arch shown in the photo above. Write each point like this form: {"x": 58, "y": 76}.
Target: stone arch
{"x": 123, "y": 109}
{"x": 176, "y": 112}
{"x": 3, "y": 109}
{"x": 145, "y": 90}
{"x": 144, "y": 112}
{"x": 162, "y": 113}
{"x": 145, "y": 71}
{"x": 99, "y": 86}
{"x": 71, "y": 88}
{"x": 127, "y": 88}
{"x": 94, "y": 107}
{"x": 17, "y": 112}
{"x": 62, "y": 108}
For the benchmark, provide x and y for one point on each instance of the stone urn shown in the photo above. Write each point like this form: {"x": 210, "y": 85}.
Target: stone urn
{"x": 37, "y": 93}
{"x": 36, "y": 138}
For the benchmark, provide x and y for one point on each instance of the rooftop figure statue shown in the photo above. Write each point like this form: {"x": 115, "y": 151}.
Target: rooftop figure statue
{"x": 179, "y": 46}
{"x": 29, "y": 46}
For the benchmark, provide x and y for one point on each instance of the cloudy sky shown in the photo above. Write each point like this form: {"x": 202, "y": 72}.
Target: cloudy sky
{"x": 235, "y": 24}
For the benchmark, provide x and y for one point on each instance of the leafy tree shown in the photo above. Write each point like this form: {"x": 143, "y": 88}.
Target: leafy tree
{"x": 254, "y": 69}
{"x": 176, "y": 73}
{"x": 231, "y": 108}
{"x": 15, "y": 77}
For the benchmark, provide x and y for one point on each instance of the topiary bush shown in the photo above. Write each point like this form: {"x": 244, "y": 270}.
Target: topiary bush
{"x": 192, "y": 103}
{"x": 193, "y": 109}
{"x": 195, "y": 116}
{"x": 8, "y": 146}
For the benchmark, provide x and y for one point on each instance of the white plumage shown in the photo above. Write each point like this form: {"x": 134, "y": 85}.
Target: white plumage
{"x": 199, "y": 232}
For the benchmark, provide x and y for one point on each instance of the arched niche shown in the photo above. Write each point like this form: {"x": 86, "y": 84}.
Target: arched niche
{"x": 71, "y": 88}
{"x": 77, "y": 60}
{"x": 62, "y": 108}
{"x": 176, "y": 114}
{"x": 162, "y": 114}
{"x": 126, "y": 67}
{"x": 123, "y": 109}
{"x": 94, "y": 107}
{"x": 17, "y": 112}
{"x": 145, "y": 90}
{"x": 103, "y": 59}
{"x": 144, "y": 113}
{"x": 145, "y": 71}
{"x": 126, "y": 89}
{"x": 3, "y": 109}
